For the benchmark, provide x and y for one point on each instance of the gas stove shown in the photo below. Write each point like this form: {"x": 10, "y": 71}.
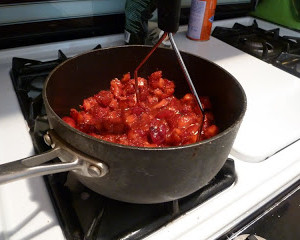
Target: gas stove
{"x": 265, "y": 162}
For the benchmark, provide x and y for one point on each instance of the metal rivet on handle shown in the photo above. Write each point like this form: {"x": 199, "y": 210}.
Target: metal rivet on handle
{"x": 47, "y": 139}
{"x": 94, "y": 171}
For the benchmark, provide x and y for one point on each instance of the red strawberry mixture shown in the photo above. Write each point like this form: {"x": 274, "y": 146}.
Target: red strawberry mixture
{"x": 159, "y": 119}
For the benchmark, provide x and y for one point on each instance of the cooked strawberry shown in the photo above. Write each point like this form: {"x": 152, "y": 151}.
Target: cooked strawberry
{"x": 69, "y": 121}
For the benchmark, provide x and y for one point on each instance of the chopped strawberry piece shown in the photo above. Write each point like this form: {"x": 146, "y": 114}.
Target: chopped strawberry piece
{"x": 137, "y": 110}
{"x": 104, "y": 98}
{"x": 165, "y": 114}
{"x": 161, "y": 104}
{"x": 116, "y": 88}
{"x": 206, "y": 104}
{"x": 158, "y": 130}
{"x": 89, "y": 103}
{"x": 126, "y": 77}
{"x": 69, "y": 121}
{"x": 175, "y": 137}
{"x": 211, "y": 131}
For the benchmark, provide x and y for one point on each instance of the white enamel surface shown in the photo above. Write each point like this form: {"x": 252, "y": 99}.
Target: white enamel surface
{"x": 26, "y": 212}
{"x": 272, "y": 119}
{"x": 257, "y": 183}
{"x": 25, "y": 208}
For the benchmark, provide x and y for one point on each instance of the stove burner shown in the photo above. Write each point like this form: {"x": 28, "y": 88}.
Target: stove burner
{"x": 257, "y": 46}
{"x": 267, "y": 45}
{"x": 28, "y": 77}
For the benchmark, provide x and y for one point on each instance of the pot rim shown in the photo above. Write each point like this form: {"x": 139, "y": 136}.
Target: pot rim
{"x": 219, "y": 135}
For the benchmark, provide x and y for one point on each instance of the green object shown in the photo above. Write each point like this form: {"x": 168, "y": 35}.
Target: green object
{"x": 137, "y": 14}
{"x": 283, "y": 12}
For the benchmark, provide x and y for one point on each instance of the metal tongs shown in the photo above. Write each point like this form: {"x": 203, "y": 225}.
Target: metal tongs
{"x": 168, "y": 21}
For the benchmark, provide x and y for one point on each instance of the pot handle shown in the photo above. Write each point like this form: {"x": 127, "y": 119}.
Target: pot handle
{"x": 71, "y": 158}
{"x": 30, "y": 167}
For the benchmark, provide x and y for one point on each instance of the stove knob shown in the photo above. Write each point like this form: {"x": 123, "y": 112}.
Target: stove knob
{"x": 248, "y": 237}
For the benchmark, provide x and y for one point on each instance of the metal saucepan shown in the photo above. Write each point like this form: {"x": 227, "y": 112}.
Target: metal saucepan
{"x": 125, "y": 173}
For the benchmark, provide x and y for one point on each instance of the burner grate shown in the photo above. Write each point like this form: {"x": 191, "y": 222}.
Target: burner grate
{"x": 28, "y": 77}
{"x": 267, "y": 45}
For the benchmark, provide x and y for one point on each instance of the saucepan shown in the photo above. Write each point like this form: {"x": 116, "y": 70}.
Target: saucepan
{"x": 127, "y": 173}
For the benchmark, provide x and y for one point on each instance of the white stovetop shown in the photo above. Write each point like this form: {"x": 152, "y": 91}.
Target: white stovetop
{"x": 26, "y": 211}
{"x": 272, "y": 119}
